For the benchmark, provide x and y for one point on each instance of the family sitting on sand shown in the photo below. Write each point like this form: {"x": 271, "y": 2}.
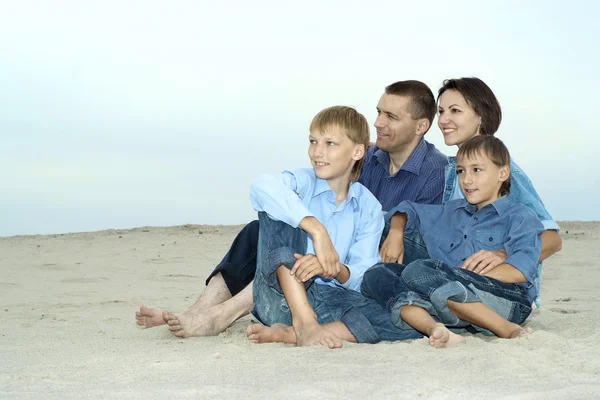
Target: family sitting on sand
{"x": 391, "y": 241}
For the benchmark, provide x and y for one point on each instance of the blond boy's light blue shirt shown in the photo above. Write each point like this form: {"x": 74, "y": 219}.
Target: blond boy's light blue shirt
{"x": 354, "y": 226}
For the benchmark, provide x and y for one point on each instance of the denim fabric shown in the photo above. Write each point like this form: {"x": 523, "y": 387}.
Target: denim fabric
{"x": 368, "y": 322}
{"x": 431, "y": 283}
{"x": 414, "y": 245}
{"x": 455, "y": 231}
{"x": 239, "y": 264}
{"x": 521, "y": 191}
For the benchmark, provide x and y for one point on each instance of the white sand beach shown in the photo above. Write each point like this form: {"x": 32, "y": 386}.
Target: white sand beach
{"x": 68, "y": 331}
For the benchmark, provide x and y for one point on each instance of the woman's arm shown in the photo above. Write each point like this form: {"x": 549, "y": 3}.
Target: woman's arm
{"x": 551, "y": 244}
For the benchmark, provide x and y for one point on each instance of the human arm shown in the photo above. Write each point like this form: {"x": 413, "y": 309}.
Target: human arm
{"x": 523, "y": 243}
{"x": 392, "y": 249}
{"x": 506, "y": 273}
{"x": 522, "y": 191}
{"x": 327, "y": 257}
{"x": 485, "y": 260}
{"x": 281, "y": 195}
{"x": 551, "y": 243}
{"x": 406, "y": 218}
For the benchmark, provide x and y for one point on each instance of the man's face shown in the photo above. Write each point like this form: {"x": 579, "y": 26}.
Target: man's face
{"x": 395, "y": 127}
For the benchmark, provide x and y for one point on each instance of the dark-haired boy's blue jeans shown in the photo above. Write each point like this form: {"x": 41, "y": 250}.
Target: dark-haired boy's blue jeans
{"x": 429, "y": 284}
{"x": 365, "y": 319}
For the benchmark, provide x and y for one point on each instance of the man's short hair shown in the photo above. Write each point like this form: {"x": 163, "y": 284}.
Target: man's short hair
{"x": 423, "y": 102}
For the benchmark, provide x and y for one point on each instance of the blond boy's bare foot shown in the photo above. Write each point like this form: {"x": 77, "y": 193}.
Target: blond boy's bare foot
{"x": 520, "y": 332}
{"x": 148, "y": 318}
{"x": 277, "y": 333}
{"x": 314, "y": 334}
{"x": 441, "y": 337}
{"x": 202, "y": 323}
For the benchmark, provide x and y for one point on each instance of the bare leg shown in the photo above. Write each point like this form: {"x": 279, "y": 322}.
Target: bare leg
{"x": 279, "y": 333}
{"x": 481, "y": 315}
{"x": 439, "y": 335}
{"x": 215, "y": 293}
{"x": 304, "y": 320}
{"x": 214, "y": 320}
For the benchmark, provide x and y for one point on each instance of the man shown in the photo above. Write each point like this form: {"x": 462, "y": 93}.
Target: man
{"x": 400, "y": 166}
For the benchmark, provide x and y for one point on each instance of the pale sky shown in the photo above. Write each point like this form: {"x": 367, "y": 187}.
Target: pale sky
{"x": 117, "y": 114}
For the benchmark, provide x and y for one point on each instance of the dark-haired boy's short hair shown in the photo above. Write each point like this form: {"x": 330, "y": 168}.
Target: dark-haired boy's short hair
{"x": 492, "y": 148}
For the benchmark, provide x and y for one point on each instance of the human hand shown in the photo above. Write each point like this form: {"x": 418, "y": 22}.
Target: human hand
{"x": 327, "y": 256}
{"x": 392, "y": 249}
{"x": 485, "y": 260}
{"x": 306, "y": 267}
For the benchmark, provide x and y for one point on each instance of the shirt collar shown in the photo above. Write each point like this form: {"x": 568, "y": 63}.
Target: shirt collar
{"x": 500, "y": 205}
{"x": 322, "y": 186}
{"x": 412, "y": 164}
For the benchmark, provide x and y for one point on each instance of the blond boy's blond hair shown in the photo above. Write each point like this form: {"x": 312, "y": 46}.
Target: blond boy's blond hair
{"x": 349, "y": 121}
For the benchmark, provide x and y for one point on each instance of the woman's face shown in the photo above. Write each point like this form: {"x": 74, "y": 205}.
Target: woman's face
{"x": 457, "y": 120}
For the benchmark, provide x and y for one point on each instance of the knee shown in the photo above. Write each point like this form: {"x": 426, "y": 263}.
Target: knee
{"x": 371, "y": 278}
{"x": 417, "y": 270}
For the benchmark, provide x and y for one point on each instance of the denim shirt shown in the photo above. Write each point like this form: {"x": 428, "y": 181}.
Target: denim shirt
{"x": 456, "y": 230}
{"x": 521, "y": 191}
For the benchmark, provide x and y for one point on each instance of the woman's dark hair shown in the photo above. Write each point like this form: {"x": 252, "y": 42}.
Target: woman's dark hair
{"x": 479, "y": 96}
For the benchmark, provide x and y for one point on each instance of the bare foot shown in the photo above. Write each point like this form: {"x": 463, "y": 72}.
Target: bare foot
{"x": 520, "y": 332}
{"x": 148, "y": 318}
{"x": 315, "y": 334}
{"x": 202, "y": 323}
{"x": 277, "y": 333}
{"x": 441, "y": 337}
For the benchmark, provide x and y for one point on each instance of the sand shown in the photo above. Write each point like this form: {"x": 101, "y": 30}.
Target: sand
{"x": 68, "y": 330}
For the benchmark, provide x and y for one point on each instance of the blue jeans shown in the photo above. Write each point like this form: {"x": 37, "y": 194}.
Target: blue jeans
{"x": 365, "y": 319}
{"x": 239, "y": 264}
{"x": 431, "y": 283}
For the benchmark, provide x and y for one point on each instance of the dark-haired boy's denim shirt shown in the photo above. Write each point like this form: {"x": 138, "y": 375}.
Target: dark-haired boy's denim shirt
{"x": 355, "y": 226}
{"x": 420, "y": 179}
{"x": 457, "y": 230}
{"x": 521, "y": 192}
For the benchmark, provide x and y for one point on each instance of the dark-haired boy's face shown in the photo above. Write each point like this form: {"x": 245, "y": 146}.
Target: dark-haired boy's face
{"x": 457, "y": 120}
{"x": 480, "y": 179}
{"x": 395, "y": 127}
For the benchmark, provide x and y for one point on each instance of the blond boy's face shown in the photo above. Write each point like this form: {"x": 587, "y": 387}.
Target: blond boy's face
{"x": 480, "y": 179}
{"x": 333, "y": 154}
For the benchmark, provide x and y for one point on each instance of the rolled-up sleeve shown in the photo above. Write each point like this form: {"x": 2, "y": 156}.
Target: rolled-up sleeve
{"x": 524, "y": 244}
{"x": 364, "y": 252}
{"x": 408, "y": 208}
{"x": 419, "y": 216}
{"x": 279, "y": 195}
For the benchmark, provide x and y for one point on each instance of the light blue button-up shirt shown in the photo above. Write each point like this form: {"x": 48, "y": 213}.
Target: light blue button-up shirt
{"x": 457, "y": 230}
{"x": 355, "y": 226}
